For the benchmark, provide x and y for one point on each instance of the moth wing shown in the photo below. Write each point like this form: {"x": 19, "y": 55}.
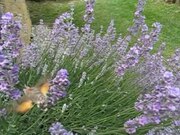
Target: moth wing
{"x": 44, "y": 88}
{"x": 24, "y": 106}
{"x": 33, "y": 94}
{"x": 22, "y": 99}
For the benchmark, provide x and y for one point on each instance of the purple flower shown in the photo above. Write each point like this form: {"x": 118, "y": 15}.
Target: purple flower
{"x": 30, "y": 56}
{"x": 62, "y": 73}
{"x": 61, "y": 78}
{"x": 3, "y": 112}
{"x": 58, "y": 129}
{"x": 174, "y": 61}
{"x": 169, "y": 77}
{"x": 176, "y": 123}
{"x": 131, "y": 130}
{"x": 143, "y": 120}
{"x": 169, "y": 130}
{"x": 171, "y": 107}
{"x": 162, "y": 100}
{"x": 3, "y": 61}
{"x": 58, "y": 87}
{"x": 64, "y": 36}
{"x": 130, "y": 126}
{"x": 4, "y": 86}
{"x": 121, "y": 69}
{"x": 15, "y": 94}
{"x": 139, "y": 20}
{"x": 7, "y": 16}
{"x": 88, "y": 17}
{"x": 155, "y": 119}
{"x": 174, "y": 92}
{"x": 14, "y": 74}
{"x": 86, "y": 28}
{"x": 10, "y": 45}
{"x": 154, "y": 106}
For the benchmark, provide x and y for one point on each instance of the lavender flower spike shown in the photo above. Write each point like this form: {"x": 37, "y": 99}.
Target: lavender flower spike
{"x": 58, "y": 129}
{"x": 10, "y": 45}
{"x": 3, "y": 112}
{"x": 58, "y": 87}
{"x": 89, "y": 16}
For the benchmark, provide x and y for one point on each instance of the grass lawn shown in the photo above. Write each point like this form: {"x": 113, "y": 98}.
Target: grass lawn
{"x": 119, "y": 10}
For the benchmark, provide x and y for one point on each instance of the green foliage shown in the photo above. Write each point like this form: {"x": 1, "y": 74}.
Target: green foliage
{"x": 119, "y": 10}
{"x": 112, "y": 103}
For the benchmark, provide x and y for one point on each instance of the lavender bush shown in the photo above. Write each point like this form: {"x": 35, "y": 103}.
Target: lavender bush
{"x": 116, "y": 84}
{"x": 9, "y": 51}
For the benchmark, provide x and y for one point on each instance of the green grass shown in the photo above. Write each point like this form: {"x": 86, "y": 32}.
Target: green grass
{"x": 119, "y": 10}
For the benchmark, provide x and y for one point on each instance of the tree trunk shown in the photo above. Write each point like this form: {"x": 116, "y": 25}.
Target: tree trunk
{"x": 1, "y": 8}
{"x": 178, "y": 2}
